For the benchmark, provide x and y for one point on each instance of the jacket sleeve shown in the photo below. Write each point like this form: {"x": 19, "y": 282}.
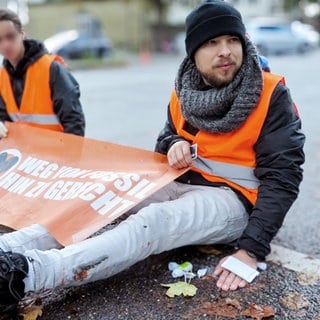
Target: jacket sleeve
{"x": 65, "y": 94}
{"x": 168, "y": 136}
{"x": 3, "y": 111}
{"x": 279, "y": 151}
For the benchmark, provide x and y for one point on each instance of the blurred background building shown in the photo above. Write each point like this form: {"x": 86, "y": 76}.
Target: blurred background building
{"x": 253, "y": 8}
{"x": 18, "y": 6}
{"x": 155, "y": 25}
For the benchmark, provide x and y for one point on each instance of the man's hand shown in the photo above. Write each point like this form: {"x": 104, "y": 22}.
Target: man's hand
{"x": 3, "y": 130}
{"x": 228, "y": 280}
{"x": 179, "y": 155}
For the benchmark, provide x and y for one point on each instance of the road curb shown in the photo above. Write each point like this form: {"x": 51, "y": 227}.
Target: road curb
{"x": 294, "y": 260}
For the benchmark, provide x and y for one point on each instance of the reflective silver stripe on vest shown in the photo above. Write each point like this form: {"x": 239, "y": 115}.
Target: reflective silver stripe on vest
{"x": 44, "y": 119}
{"x": 238, "y": 174}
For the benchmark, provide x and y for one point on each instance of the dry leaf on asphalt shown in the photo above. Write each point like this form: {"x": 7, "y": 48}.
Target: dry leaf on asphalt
{"x": 209, "y": 250}
{"x": 179, "y": 288}
{"x": 221, "y": 308}
{"x": 233, "y": 302}
{"x": 210, "y": 277}
{"x": 31, "y": 306}
{"x": 258, "y": 312}
{"x": 308, "y": 278}
{"x": 294, "y": 301}
{"x": 31, "y": 313}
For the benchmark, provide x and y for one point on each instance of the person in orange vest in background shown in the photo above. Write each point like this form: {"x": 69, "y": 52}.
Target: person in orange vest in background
{"x": 235, "y": 128}
{"x": 35, "y": 87}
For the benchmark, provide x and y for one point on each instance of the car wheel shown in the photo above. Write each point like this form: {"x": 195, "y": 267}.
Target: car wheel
{"x": 103, "y": 52}
{"x": 303, "y": 48}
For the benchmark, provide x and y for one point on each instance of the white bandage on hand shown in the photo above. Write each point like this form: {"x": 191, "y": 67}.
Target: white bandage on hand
{"x": 3, "y": 130}
{"x": 240, "y": 269}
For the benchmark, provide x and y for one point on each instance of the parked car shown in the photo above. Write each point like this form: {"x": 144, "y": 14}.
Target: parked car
{"x": 307, "y": 31}
{"x": 72, "y": 44}
{"x": 278, "y": 37}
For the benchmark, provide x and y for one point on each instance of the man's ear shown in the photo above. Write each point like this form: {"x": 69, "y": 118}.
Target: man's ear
{"x": 23, "y": 33}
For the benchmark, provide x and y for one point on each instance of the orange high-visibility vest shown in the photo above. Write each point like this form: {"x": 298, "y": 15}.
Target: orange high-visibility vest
{"x": 36, "y": 107}
{"x": 230, "y": 157}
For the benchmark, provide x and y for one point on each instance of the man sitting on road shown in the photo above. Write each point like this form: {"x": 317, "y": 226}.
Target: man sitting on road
{"x": 239, "y": 188}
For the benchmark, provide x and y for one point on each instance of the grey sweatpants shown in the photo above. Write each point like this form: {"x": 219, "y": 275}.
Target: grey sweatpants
{"x": 175, "y": 216}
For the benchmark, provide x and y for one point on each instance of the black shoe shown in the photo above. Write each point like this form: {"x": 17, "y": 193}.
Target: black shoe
{"x": 13, "y": 269}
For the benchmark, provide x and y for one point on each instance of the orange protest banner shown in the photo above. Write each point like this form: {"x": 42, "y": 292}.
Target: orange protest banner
{"x": 73, "y": 186}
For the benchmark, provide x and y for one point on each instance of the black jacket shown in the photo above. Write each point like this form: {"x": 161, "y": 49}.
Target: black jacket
{"x": 279, "y": 156}
{"x": 65, "y": 91}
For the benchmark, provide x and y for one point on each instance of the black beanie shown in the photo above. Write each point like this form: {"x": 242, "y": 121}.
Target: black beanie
{"x": 210, "y": 20}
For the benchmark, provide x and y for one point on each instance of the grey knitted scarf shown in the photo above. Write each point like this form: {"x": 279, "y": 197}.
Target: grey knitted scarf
{"x": 224, "y": 109}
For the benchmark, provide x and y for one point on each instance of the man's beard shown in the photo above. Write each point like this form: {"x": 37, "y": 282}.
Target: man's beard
{"x": 216, "y": 81}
